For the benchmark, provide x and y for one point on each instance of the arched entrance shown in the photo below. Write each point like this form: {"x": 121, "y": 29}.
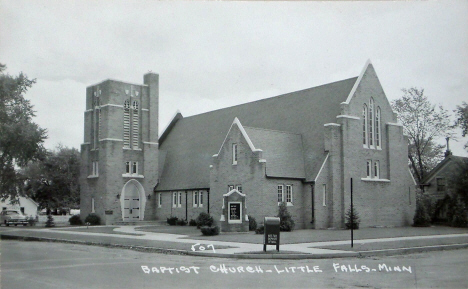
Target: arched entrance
{"x": 133, "y": 201}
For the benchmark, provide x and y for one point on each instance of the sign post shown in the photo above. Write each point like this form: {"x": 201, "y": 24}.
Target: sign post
{"x": 271, "y": 232}
{"x": 352, "y": 214}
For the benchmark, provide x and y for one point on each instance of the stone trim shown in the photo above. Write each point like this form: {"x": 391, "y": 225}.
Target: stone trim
{"x": 321, "y": 168}
{"x": 111, "y": 139}
{"x": 358, "y": 81}
{"x": 348, "y": 116}
{"x": 332, "y": 124}
{"x": 394, "y": 124}
{"x": 375, "y": 180}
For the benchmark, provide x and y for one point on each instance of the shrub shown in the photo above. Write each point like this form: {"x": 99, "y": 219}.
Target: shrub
{"x": 32, "y": 221}
{"x": 422, "y": 217}
{"x": 50, "y": 221}
{"x": 204, "y": 219}
{"x": 75, "y": 220}
{"x": 260, "y": 230}
{"x": 286, "y": 222}
{"x": 172, "y": 221}
{"x": 252, "y": 224}
{"x": 210, "y": 231}
{"x": 354, "y": 217}
{"x": 192, "y": 222}
{"x": 93, "y": 219}
{"x": 181, "y": 222}
{"x": 458, "y": 214}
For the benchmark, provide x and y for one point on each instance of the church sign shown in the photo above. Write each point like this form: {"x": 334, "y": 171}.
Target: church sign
{"x": 235, "y": 212}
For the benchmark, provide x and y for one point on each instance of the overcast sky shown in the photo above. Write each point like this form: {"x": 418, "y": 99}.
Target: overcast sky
{"x": 211, "y": 55}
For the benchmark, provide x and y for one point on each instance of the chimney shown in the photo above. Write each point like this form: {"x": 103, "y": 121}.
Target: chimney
{"x": 447, "y": 152}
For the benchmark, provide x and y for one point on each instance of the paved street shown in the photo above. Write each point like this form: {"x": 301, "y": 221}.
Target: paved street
{"x": 57, "y": 265}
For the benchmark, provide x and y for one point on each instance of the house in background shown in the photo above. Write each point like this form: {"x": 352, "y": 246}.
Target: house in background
{"x": 26, "y": 205}
{"x": 437, "y": 184}
{"x": 302, "y": 148}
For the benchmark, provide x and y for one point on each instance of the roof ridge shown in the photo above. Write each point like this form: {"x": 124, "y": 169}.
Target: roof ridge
{"x": 272, "y": 97}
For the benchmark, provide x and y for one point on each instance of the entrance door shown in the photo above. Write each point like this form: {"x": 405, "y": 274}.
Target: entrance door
{"x": 132, "y": 206}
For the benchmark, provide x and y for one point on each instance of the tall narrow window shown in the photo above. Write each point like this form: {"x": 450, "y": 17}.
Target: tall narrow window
{"x": 324, "y": 195}
{"x": 92, "y": 206}
{"x": 377, "y": 169}
{"x": 127, "y": 167}
{"x": 234, "y": 154}
{"x": 135, "y": 168}
{"x": 195, "y": 199}
{"x": 180, "y": 199}
{"x": 159, "y": 200}
{"x": 135, "y": 125}
{"x": 200, "y": 199}
{"x": 371, "y": 122}
{"x": 174, "y": 199}
{"x": 364, "y": 126}
{"x": 126, "y": 124}
{"x": 368, "y": 169}
{"x": 230, "y": 188}
{"x": 289, "y": 197}
{"x": 377, "y": 128}
{"x": 280, "y": 193}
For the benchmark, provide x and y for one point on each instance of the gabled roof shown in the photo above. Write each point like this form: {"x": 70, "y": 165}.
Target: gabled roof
{"x": 282, "y": 151}
{"x": 193, "y": 140}
{"x": 443, "y": 164}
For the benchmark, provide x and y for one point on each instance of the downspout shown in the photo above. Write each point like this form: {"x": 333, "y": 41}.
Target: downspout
{"x": 208, "y": 200}
{"x": 186, "y": 208}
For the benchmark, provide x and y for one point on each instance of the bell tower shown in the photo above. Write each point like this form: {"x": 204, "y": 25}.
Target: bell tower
{"x": 119, "y": 155}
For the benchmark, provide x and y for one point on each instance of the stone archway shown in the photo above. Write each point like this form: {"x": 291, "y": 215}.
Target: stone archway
{"x": 133, "y": 201}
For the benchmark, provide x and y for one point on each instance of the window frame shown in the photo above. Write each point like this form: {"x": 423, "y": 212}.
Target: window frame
{"x": 369, "y": 169}
{"x": 234, "y": 154}
{"x": 378, "y": 132}
{"x": 200, "y": 199}
{"x": 324, "y": 195}
{"x": 289, "y": 195}
{"x": 365, "y": 133}
{"x": 371, "y": 123}
{"x": 159, "y": 200}
{"x": 441, "y": 187}
{"x": 195, "y": 199}
{"x": 179, "y": 199}
{"x": 174, "y": 199}
{"x": 377, "y": 169}
{"x": 239, "y": 188}
{"x": 280, "y": 194}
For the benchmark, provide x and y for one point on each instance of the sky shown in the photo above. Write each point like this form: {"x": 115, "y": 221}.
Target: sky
{"x": 215, "y": 54}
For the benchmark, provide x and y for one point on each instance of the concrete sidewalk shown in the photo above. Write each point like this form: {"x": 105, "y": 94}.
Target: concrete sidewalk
{"x": 135, "y": 237}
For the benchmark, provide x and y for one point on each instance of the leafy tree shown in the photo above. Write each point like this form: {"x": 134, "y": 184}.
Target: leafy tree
{"x": 21, "y": 140}
{"x": 424, "y": 124}
{"x": 53, "y": 181}
{"x": 462, "y": 119}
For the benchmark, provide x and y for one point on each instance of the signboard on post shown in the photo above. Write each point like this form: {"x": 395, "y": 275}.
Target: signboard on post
{"x": 271, "y": 232}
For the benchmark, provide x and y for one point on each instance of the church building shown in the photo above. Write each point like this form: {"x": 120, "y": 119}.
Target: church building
{"x": 307, "y": 148}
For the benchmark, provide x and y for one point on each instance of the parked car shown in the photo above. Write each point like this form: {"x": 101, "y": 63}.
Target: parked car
{"x": 13, "y": 217}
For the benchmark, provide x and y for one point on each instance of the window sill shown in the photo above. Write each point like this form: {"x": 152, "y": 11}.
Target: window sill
{"x": 93, "y": 176}
{"x": 375, "y": 180}
{"x": 234, "y": 222}
{"x": 133, "y": 176}
{"x": 288, "y": 204}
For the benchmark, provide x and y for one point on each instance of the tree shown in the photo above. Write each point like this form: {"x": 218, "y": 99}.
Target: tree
{"x": 53, "y": 181}
{"x": 424, "y": 124}
{"x": 462, "y": 119}
{"x": 286, "y": 221}
{"x": 21, "y": 140}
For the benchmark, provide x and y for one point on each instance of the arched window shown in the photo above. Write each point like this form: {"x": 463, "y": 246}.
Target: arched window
{"x": 377, "y": 128}
{"x": 135, "y": 125}
{"x": 364, "y": 125}
{"x": 126, "y": 124}
{"x": 371, "y": 122}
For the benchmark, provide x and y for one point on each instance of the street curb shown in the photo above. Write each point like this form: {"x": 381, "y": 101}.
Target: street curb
{"x": 298, "y": 256}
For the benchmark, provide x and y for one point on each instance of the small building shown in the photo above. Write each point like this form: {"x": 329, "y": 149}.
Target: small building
{"x": 437, "y": 183}
{"x": 302, "y": 148}
{"x": 26, "y": 205}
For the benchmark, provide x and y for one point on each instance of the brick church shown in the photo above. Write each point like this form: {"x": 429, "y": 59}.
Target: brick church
{"x": 302, "y": 148}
